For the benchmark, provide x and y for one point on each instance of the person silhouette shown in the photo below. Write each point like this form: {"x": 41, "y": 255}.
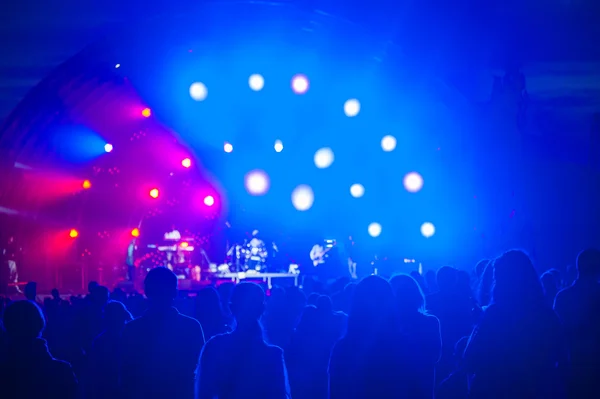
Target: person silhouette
{"x": 160, "y": 350}
{"x": 517, "y": 349}
{"x": 28, "y": 369}
{"x": 241, "y": 364}
{"x": 578, "y": 307}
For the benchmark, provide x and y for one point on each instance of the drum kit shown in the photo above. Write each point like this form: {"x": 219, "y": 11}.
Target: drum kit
{"x": 250, "y": 256}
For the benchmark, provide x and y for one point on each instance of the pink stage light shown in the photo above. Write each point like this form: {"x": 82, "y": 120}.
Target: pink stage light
{"x": 209, "y": 200}
{"x": 154, "y": 193}
{"x": 186, "y": 163}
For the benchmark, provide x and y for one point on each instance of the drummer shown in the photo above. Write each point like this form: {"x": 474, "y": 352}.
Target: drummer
{"x": 257, "y": 249}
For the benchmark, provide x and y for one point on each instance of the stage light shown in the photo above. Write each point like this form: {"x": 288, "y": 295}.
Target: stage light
{"x": 374, "y": 229}
{"x": 198, "y": 91}
{"x": 227, "y": 147}
{"x": 146, "y": 112}
{"x": 427, "y": 229}
{"x": 413, "y": 182}
{"x": 256, "y": 82}
{"x": 323, "y": 158}
{"x": 257, "y": 182}
{"x": 154, "y": 193}
{"x": 357, "y": 190}
{"x": 209, "y": 200}
{"x": 278, "y": 146}
{"x": 186, "y": 163}
{"x": 303, "y": 197}
{"x": 86, "y": 184}
{"x": 118, "y": 66}
{"x": 135, "y": 232}
{"x": 300, "y": 84}
{"x": 388, "y": 143}
{"x": 351, "y": 107}
{"x": 73, "y": 233}
{"x": 108, "y": 147}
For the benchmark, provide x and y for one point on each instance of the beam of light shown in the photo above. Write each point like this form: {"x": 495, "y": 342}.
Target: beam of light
{"x": 278, "y": 146}
{"x": 146, "y": 112}
{"x": 300, "y": 84}
{"x": 227, "y": 147}
{"x": 357, "y": 190}
{"x": 256, "y": 82}
{"x": 323, "y": 158}
{"x": 108, "y": 147}
{"x": 257, "y": 182}
{"x": 351, "y": 107}
{"x": 374, "y": 229}
{"x": 413, "y": 182}
{"x": 209, "y": 200}
{"x": 186, "y": 163}
{"x": 388, "y": 143}
{"x": 154, "y": 193}
{"x": 303, "y": 197}
{"x": 427, "y": 229}
{"x": 135, "y": 232}
{"x": 198, "y": 91}
{"x": 73, "y": 233}
{"x": 77, "y": 143}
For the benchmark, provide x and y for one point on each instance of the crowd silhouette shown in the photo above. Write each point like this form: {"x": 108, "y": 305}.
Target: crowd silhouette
{"x": 502, "y": 331}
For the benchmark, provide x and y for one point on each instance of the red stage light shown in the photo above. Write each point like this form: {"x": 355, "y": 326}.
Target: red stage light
{"x": 209, "y": 200}
{"x": 86, "y": 184}
{"x": 186, "y": 163}
{"x": 146, "y": 112}
{"x": 135, "y": 232}
{"x": 154, "y": 193}
{"x": 73, "y": 233}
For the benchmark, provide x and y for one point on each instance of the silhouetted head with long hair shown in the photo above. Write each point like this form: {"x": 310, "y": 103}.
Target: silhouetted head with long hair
{"x": 409, "y": 296}
{"x": 516, "y": 283}
{"x": 588, "y": 265}
{"x": 247, "y": 303}
{"x": 371, "y": 310}
{"x": 160, "y": 286}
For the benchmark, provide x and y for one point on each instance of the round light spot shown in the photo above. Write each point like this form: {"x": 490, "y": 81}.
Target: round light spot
{"x": 374, "y": 229}
{"x": 388, "y": 143}
{"x": 209, "y": 200}
{"x": 352, "y": 107}
{"x": 257, "y": 182}
{"x": 427, "y": 229}
{"x": 278, "y": 146}
{"x": 300, "y": 84}
{"x": 227, "y": 147}
{"x": 323, "y": 158}
{"x": 108, "y": 147}
{"x": 303, "y": 197}
{"x": 413, "y": 182}
{"x": 198, "y": 91}
{"x": 256, "y": 82}
{"x": 357, "y": 190}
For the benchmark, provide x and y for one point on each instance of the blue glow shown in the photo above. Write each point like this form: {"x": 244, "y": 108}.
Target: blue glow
{"x": 78, "y": 144}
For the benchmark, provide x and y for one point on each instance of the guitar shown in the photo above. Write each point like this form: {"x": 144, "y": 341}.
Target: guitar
{"x": 318, "y": 254}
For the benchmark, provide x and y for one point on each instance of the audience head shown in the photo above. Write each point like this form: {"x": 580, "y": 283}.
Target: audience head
{"x": 23, "y": 321}
{"x": 208, "y": 305}
{"x": 31, "y": 290}
{"x": 99, "y": 295}
{"x": 480, "y": 267}
{"x": 313, "y": 298}
{"x": 324, "y": 304}
{"x": 446, "y": 278}
{"x": 55, "y": 294}
{"x": 92, "y": 285}
{"x": 160, "y": 286}
{"x": 588, "y": 264}
{"x": 247, "y": 302}
{"x": 516, "y": 283}
{"x": 116, "y": 314}
{"x": 409, "y": 296}
{"x": 371, "y": 307}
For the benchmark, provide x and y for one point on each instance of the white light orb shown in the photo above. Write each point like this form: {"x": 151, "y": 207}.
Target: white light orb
{"x": 413, "y": 182}
{"x": 256, "y": 82}
{"x": 118, "y": 66}
{"x": 357, "y": 190}
{"x": 257, "y": 182}
{"x": 227, "y": 147}
{"x": 278, "y": 146}
{"x": 323, "y": 158}
{"x": 351, "y": 107}
{"x": 388, "y": 143}
{"x": 427, "y": 229}
{"x": 300, "y": 84}
{"x": 198, "y": 91}
{"x": 108, "y": 147}
{"x": 303, "y": 197}
{"x": 374, "y": 229}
